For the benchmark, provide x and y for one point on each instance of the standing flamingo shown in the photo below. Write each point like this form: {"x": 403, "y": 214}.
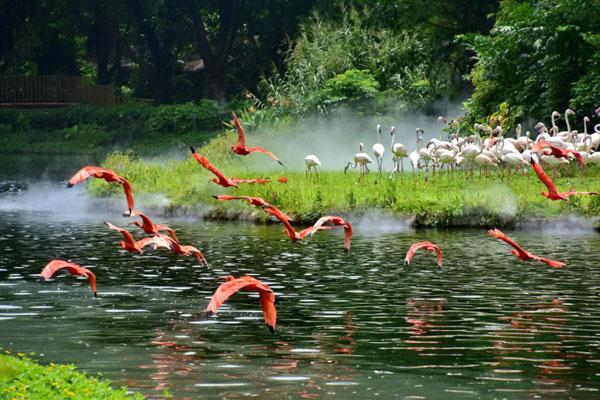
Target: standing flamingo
{"x": 109, "y": 176}
{"x": 360, "y": 159}
{"x": 241, "y": 148}
{"x": 311, "y": 162}
{"x": 425, "y": 246}
{"x": 74, "y": 269}
{"x": 379, "y": 150}
{"x": 399, "y": 152}
{"x": 521, "y": 253}
{"x": 250, "y": 284}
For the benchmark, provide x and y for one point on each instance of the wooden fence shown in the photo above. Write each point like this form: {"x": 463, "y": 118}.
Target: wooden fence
{"x": 56, "y": 90}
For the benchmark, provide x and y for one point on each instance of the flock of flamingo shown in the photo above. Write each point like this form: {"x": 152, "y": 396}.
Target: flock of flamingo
{"x": 550, "y": 149}
{"x": 553, "y": 147}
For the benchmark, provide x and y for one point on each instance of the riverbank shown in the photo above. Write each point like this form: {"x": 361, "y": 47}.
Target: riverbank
{"x": 22, "y": 378}
{"x": 184, "y": 187}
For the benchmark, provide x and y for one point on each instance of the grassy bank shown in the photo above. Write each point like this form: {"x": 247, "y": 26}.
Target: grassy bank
{"x": 82, "y": 129}
{"x": 22, "y": 378}
{"x": 442, "y": 201}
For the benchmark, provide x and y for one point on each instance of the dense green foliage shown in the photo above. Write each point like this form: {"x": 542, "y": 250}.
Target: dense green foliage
{"x": 84, "y": 129}
{"x": 443, "y": 201}
{"x": 23, "y": 379}
{"x": 541, "y": 55}
{"x": 398, "y": 59}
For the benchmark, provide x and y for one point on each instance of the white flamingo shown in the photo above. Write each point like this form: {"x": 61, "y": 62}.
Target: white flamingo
{"x": 379, "y": 150}
{"x": 311, "y": 162}
{"x": 361, "y": 159}
{"x": 399, "y": 152}
{"x": 414, "y": 155}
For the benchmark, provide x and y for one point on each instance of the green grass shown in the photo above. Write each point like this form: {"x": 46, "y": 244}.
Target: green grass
{"x": 22, "y": 378}
{"x": 442, "y": 201}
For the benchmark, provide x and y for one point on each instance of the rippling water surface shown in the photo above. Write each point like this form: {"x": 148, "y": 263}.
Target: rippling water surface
{"x": 356, "y": 326}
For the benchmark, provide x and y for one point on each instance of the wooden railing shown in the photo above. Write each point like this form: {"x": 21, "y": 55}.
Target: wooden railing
{"x": 56, "y": 90}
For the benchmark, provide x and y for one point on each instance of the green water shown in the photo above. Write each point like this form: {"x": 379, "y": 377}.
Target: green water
{"x": 358, "y": 326}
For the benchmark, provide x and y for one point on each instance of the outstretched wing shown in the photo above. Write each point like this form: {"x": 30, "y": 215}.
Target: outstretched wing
{"x": 539, "y": 171}
{"x": 550, "y": 263}
{"x": 438, "y": 252}
{"x": 241, "y": 134}
{"x": 265, "y": 151}
{"x": 206, "y": 164}
{"x": 253, "y": 180}
{"x": 498, "y": 234}
{"x": 53, "y": 266}
{"x": 225, "y": 291}
{"x": 340, "y": 222}
{"x": 413, "y": 249}
{"x": 128, "y": 193}
{"x": 84, "y": 173}
{"x": 154, "y": 241}
{"x": 128, "y": 237}
{"x": 267, "y": 303}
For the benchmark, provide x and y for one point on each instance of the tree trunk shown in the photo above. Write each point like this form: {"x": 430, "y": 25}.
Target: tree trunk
{"x": 160, "y": 70}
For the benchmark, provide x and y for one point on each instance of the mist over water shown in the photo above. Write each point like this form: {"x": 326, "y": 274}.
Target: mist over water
{"x": 336, "y": 138}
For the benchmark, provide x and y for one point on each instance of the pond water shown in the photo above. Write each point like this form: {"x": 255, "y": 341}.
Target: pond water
{"x": 358, "y": 326}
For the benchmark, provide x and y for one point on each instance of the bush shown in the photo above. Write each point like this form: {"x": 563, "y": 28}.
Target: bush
{"x": 21, "y": 378}
{"x": 541, "y": 56}
{"x": 86, "y": 129}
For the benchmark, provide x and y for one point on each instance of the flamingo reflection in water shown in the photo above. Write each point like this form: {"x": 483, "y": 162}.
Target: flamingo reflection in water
{"x": 422, "y": 314}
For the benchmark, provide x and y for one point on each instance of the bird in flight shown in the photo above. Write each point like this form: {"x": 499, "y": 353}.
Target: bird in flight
{"x": 250, "y": 284}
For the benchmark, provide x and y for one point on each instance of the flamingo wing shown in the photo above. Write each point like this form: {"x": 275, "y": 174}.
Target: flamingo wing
{"x": 340, "y": 222}
{"x": 126, "y": 234}
{"x": 438, "y": 252}
{"x": 549, "y": 262}
{"x": 154, "y": 241}
{"x": 544, "y": 178}
{"x": 128, "y": 193}
{"x": 267, "y": 303}
{"x": 241, "y": 134}
{"x": 196, "y": 252}
{"x": 265, "y": 151}
{"x": 224, "y": 292}
{"x": 86, "y": 172}
{"x": 206, "y": 164}
{"x": 253, "y": 180}
{"x": 580, "y": 193}
{"x": 413, "y": 249}
{"x": 53, "y": 266}
{"x": 498, "y": 234}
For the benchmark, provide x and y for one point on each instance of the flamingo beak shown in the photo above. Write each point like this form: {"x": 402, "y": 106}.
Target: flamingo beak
{"x": 280, "y": 163}
{"x": 41, "y": 280}
{"x": 96, "y": 295}
{"x": 69, "y": 185}
{"x": 406, "y": 263}
{"x": 208, "y": 314}
{"x": 346, "y": 250}
{"x": 271, "y": 329}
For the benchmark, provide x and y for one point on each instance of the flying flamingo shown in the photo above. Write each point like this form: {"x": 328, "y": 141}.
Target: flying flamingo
{"x": 132, "y": 246}
{"x": 521, "y": 253}
{"x": 106, "y": 174}
{"x": 289, "y": 230}
{"x": 339, "y": 221}
{"x": 149, "y": 227}
{"x": 558, "y": 152}
{"x": 240, "y": 147}
{"x": 221, "y": 179}
{"x": 250, "y": 284}
{"x": 254, "y": 201}
{"x": 177, "y": 248}
{"x": 425, "y": 246}
{"x": 553, "y": 193}
{"x": 74, "y": 269}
